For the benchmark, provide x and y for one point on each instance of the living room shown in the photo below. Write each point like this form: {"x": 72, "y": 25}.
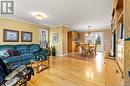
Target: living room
{"x": 64, "y": 42}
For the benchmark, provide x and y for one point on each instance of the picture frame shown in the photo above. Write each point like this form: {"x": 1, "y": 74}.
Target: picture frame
{"x": 43, "y": 38}
{"x": 26, "y": 36}
{"x": 10, "y": 35}
{"x": 44, "y": 33}
{"x": 54, "y": 37}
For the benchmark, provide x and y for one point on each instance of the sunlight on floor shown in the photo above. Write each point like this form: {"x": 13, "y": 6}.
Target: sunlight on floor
{"x": 89, "y": 74}
{"x": 99, "y": 61}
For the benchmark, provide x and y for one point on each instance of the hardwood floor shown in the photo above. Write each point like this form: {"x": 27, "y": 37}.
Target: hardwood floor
{"x": 113, "y": 76}
{"x": 67, "y": 71}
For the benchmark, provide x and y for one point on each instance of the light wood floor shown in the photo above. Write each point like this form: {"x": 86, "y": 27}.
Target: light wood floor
{"x": 113, "y": 75}
{"x": 67, "y": 71}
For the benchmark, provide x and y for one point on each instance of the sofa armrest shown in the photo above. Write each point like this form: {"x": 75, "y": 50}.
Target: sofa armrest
{"x": 43, "y": 54}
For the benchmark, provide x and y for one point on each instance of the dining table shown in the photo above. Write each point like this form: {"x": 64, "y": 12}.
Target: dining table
{"x": 88, "y": 50}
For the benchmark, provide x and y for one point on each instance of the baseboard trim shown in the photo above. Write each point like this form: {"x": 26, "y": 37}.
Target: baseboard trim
{"x": 62, "y": 55}
{"x": 111, "y": 58}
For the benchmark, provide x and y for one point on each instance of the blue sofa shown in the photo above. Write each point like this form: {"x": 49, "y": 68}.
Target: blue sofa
{"x": 25, "y": 53}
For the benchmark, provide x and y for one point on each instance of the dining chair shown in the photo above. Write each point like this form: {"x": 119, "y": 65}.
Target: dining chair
{"x": 85, "y": 49}
{"x": 93, "y": 50}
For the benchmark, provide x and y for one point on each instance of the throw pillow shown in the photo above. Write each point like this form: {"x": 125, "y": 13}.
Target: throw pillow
{"x": 13, "y": 52}
{"x": 4, "y": 54}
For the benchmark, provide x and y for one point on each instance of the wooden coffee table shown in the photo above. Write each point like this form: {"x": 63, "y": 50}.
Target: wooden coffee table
{"x": 39, "y": 65}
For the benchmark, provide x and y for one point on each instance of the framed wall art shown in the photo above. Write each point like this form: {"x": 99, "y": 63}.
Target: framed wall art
{"x": 10, "y": 35}
{"x": 54, "y": 37}
{"x": 43, "y": 38}
{"x": 26, "y": 36}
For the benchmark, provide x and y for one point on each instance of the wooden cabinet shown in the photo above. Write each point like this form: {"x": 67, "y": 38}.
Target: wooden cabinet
{"x": 118, "y": 29}
{"x": 127, "y": 42}
{"x": 73, "y": 37}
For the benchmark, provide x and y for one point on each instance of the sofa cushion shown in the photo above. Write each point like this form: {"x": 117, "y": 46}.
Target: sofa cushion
{"x": 22, "y": 49}
{"x": 25, "y": 62}
{"x": 14, "y": 65}
{"x": 13, "y": 59}
{"x": 4, "y": 54}
{"x": 7, "y": 47}
{"x": 34, "y": 47}
{"x": 26, "y": 56}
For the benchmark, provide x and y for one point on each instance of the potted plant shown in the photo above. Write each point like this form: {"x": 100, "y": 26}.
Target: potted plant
{"x": 53, "y": 50}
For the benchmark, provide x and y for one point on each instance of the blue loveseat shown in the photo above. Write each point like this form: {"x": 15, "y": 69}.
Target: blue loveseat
{"x": 25, "y": 53}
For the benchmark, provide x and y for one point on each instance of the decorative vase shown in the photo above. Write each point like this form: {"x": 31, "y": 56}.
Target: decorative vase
{"x": 53, "y": 48}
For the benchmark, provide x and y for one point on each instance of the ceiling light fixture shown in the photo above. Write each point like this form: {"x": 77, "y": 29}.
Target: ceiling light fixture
{"x": 89, "y": 32}
{"x": 39, "y": 15}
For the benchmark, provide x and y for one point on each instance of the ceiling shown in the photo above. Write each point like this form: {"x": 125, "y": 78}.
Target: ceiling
{"x": 77, "y": 14}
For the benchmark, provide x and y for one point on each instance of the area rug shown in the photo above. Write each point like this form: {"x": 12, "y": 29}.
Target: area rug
{"x": 79, "y": 56}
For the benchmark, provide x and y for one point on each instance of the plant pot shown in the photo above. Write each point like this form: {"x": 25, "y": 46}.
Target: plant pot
{"x": 53, "y": 53}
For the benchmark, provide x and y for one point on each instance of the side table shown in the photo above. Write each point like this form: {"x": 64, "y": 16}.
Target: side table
{"x": 39, "y": 65}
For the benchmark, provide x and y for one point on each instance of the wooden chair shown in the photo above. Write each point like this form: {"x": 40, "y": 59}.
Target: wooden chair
{"x": 92, "y": 50}
{"x": 85, "y": 49}
{"x": 89, "y": 50}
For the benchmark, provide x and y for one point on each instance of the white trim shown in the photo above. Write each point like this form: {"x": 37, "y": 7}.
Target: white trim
{"x": 62, "y": 55}
{"x": 66, "y": 54}
{"x": 59, "y": 55}
{"x": 95, "y": 30}
{"x": 25, "y": 21}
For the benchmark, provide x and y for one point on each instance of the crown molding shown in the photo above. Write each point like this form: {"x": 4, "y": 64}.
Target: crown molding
{"x": 24, "y": 21}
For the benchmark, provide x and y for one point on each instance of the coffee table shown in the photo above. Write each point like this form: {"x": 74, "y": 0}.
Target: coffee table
{"x": 39, "y": 65}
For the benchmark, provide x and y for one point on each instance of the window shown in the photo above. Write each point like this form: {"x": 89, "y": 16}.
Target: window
{"x": 95, "y": 38}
